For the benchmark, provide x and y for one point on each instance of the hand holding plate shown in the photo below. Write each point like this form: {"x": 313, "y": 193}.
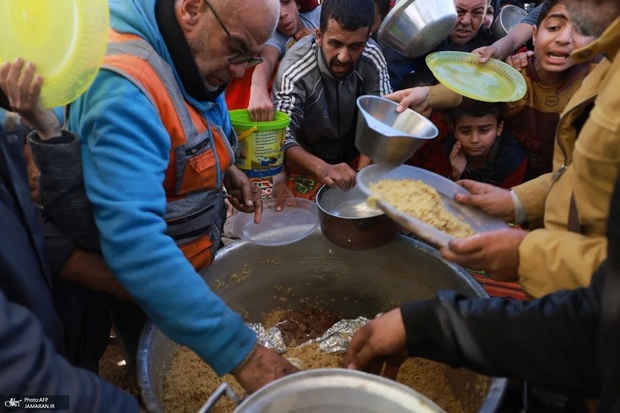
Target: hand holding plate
{"x": 489, "y": 198}
{"x": 414, "y": 98}
{"x": 495, "y": 252}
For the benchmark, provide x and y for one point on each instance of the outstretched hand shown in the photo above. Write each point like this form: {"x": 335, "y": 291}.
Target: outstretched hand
{"x": 488, "y": 52}
{"x": 414, "y": 98}
{"x": 340, "y": 175}
{"x": 379, "y": 346}
{"x": 23, "y": 90}
{"x": 262, "y": 367}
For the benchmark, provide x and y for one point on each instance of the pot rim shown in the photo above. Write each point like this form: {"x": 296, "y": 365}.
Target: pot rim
{"x": 349, "y": 380}
{"x": 322, "y": 190}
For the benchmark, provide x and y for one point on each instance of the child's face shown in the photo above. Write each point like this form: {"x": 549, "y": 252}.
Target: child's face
{"x": 477, "y": 134}
{"x": 289, "y": 18}
{"x": 555, "y": 39}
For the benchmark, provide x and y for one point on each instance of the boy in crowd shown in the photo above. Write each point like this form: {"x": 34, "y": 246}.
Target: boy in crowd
{"x": 478, "y": 149}
{"x": 552, "y": 77}
{"x": 253, "y": 90}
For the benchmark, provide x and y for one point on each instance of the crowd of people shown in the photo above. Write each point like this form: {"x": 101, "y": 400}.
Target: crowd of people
{"x": 112, "y": 207}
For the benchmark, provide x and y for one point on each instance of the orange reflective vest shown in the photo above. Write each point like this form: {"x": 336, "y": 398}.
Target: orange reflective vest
{"x": 199, "y": 151}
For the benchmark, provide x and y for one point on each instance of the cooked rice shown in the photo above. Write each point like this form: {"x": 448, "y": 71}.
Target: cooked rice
{"x": 420, "y": 200}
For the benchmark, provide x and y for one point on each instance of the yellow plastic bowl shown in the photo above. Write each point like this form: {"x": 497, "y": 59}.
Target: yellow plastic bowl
{"x": 66, "y": 39}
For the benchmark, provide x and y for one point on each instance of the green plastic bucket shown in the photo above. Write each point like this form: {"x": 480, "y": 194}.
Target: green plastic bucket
{"x": 260, "y": 152}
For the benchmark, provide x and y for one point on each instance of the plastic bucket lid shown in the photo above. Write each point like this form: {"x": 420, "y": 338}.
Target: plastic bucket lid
{"x": 240, "y": 119}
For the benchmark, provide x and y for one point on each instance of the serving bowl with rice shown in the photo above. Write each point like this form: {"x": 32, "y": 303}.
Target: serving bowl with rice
{"x": 423, "y": 203}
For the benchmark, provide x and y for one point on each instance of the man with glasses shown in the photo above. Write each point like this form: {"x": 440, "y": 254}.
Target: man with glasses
{"x": 157, "y": 149}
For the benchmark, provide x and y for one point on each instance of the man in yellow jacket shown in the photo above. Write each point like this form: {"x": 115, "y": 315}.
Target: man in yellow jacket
{"x": 573, "y": 201}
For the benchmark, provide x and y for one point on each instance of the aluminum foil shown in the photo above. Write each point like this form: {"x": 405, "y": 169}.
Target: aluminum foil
{"x": 270, "y": 338}
{"x": 338, "y": 337}
{"x": 335, "y": 340}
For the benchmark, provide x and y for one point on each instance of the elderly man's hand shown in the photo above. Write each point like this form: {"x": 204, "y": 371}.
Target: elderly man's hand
{"x": 23, "y": 90}
{"x": 495, "y": 252}
{"x": 382, "y": 341}
{"x": 243, "y": 194}
{"x": 489, "y": 198}
{"x": 263, "y": 366}
{"x": 414, "y": 98}
{"x": 340, "y": 175}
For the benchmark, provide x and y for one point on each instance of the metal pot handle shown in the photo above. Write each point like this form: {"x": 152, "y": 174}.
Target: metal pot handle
{"x": 223, "y": 388}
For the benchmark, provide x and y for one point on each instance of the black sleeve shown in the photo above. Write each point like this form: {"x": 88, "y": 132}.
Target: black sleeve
{"x": 29, "y": 365}
{"x": 551, "y": 342}
{"x": 609, "y": 357}
{"x": 61, "y": 185}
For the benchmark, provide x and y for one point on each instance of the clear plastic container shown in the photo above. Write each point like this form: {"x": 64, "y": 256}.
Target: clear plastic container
{"x": 284, "y": 227}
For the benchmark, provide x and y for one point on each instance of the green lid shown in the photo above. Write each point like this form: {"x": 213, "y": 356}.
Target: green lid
{"x": 240, "y": 118}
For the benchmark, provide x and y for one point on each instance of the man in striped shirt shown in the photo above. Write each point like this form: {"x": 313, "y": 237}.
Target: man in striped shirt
{"x": 317, "y": 84}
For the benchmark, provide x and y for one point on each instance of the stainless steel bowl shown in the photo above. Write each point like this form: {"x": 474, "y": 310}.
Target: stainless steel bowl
{"x": 509, "y": 16}
{"x": 336, "y": 390}
{"x": 348, "y": 221}
{"x": 345, "y": 282}
{"x": 386, "y": 136}
{"x": 415, "y": 27}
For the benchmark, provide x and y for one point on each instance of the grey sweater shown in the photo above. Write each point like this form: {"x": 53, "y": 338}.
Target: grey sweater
{"x": 61, "y": 185}
{"x": 322, "y": 108}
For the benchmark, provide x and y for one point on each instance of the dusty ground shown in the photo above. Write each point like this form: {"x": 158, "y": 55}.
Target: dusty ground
{"x": 115, "y": 374}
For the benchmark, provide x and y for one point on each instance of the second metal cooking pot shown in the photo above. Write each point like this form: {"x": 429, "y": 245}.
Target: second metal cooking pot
{"x": 415, "y": 27}
{"x": 508, "y": 17}
{"x": 332, "y": 390}
{"x": 349, "y": 222}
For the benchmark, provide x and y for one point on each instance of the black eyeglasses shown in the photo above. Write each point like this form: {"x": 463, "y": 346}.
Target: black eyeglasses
{"x": 242, "y": 56}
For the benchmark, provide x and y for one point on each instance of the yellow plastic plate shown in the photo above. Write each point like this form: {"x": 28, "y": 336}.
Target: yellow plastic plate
{"x": 493, "y": 81}
{"x": 66, "y": 39}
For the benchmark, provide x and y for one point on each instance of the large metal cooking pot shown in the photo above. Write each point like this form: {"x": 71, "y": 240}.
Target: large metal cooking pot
{"x": 346, "y": 282}
{"x": 348, "y": 221}
{"x": 415, "y": 27}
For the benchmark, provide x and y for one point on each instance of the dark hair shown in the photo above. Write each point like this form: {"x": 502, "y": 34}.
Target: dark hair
{"x": 350, "y": 14}
{"x": 383, "y": 6}
{"x": 546, "y": 8}
{"x": 477, "y": 109}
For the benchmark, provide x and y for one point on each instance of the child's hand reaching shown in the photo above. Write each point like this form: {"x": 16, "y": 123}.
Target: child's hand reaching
{"x": 458, "y": 161}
